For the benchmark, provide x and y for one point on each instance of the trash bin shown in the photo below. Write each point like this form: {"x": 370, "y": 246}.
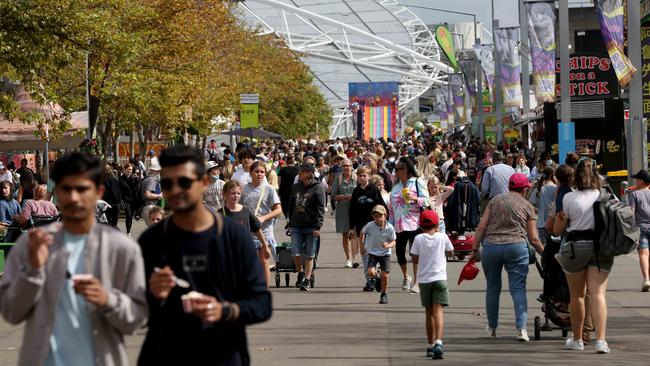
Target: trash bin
{"x": 615, "y": 178}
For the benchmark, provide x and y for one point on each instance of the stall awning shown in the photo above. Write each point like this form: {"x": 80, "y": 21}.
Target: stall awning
{"x": 16, "y": 135}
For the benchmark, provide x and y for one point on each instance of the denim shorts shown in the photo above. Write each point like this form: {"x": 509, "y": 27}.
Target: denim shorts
{"x": 303, "y": 242}
{"x": 644, "y": 239}
{"x": 576, "y": 256}
{"x": 383, "y": 261}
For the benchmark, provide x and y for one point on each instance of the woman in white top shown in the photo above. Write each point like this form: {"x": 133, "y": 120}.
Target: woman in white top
{"x": 577, "y": 256}
{"x": 438, "y": 194}
{"x": 521, "y": 167}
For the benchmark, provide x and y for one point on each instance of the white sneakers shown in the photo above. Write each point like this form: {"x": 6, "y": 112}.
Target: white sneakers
{"x": 406, "y": 283}
{"x": 574, "y": 345}
{"x": 348, "y": 264}
{"x": 601, "y": 346}
{"x": 646, "y": 286}
{"x": 522, "y": 335}
{"x": 491, "y": 332}
{"x": 415, "y": 289}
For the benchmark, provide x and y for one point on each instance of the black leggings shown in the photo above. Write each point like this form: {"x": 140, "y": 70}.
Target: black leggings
{"x": 128, "y": 216}
{"x": 403, "y": 238}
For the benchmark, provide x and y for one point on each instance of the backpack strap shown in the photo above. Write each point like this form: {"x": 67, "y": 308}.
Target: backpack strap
{"x": 259, "y": 200}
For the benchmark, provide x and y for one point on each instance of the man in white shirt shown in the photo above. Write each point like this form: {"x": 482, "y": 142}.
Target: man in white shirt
{"x": 242, "y": 173}
{"x": 5, "y": 174}
{"x": 447, "y": 163}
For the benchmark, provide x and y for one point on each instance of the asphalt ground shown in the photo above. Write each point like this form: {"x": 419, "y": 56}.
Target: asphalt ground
{"x": 338, "y": 324}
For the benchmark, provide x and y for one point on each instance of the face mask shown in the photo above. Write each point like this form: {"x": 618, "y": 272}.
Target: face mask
{"x": 549, "y": 162}
{"x": 214, "y": 178}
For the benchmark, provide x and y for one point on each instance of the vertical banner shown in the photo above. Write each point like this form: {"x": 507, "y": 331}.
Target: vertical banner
{"x": 440, "y": 107}
{"x": 484, "y": 54}
{"x": 449, "y": 100}
{"x": 566, "y": 132}
{"x": 645, "y": 71}
{"x": 446, "y": 43}
{"x": 611, "y": 14}
{"x": 468, "y": 68}
{"x": 456, "y": 83}
{"x": 249, "y": 110}
{"x": 374, "y": 108}
{"x": 541, "y": 28}
{"x": 506, "y": 40}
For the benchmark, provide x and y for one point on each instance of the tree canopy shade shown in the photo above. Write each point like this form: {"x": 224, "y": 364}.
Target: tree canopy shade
{"x": 156, "y": 66}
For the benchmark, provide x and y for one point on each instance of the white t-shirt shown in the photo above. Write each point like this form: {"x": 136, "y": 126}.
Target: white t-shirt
{"x": 6, "y": 176}
{"x": 242, "y": 176}
{"x": 578, "y": 206}
{"x": 432, "y": 262}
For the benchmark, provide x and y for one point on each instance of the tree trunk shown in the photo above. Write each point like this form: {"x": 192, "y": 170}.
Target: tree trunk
{"x": 116, "y": 147}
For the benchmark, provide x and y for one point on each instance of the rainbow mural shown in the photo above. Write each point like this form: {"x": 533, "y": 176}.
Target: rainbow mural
{"x": 374, "y": 108}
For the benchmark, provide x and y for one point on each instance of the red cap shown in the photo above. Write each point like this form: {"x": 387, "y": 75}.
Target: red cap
{"x": 469, "y": 272}
{"x": 519, "y": 180}
{"x": 428, "y": 218}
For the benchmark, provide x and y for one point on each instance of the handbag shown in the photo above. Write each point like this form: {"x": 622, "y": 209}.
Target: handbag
{"x": 417, "y": 191}
{"x": 532, "y": 255}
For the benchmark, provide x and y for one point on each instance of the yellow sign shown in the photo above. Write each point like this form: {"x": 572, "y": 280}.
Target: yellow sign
{"x": 249, "y": 115}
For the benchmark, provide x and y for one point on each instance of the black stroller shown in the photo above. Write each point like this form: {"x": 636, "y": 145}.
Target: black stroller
{"x": 284, "y": 264}
{"x": 556, "y": 295}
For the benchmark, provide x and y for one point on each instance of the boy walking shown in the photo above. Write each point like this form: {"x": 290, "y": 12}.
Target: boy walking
{"x": 377, "y": 237}
{"x": 429, "y": 255}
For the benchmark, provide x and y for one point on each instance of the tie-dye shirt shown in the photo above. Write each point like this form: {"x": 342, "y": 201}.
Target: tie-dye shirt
{"x": 404, "y": 216}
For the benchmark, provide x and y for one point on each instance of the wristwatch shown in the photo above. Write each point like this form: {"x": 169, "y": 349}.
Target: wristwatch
{"x": 225, "y": 311}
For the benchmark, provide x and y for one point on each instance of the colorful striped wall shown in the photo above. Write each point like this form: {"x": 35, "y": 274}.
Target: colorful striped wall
{"x": 379, "y": 122}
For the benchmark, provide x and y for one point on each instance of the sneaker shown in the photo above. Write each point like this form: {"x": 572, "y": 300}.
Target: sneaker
{"x": 540, "y": 297}
{"x": 355, "y": 265}
{"x": 575, "y": 345}
{"x": 377, "y": 284}
{"x": 491, "y": 332}
{"x": 383, "y": 299}
{"x": 301, "y": 276}
{"x": 370, "y": 286}
{"x": 305, "y": 285}
{"x": 348, "y": 264}
{"x": 646, "y": 286}
{"x": 601, "y": 347}
{"x": 406, "y": 283}
{"x": 415, "y": 289}
{"x": 522, "y": 335}
{"x": 437, "y": 351}
{"x": 429, "y": 352}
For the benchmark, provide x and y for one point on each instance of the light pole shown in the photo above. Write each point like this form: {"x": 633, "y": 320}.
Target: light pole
{"x": 637, "y": 135}
{"x": 477, "y": 68}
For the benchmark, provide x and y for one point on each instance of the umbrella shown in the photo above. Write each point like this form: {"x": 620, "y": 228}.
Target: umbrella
{"x": 254, "y": 132}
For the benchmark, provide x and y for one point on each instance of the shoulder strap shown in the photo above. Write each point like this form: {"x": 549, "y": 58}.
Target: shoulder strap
{"x": 259, "y": 200}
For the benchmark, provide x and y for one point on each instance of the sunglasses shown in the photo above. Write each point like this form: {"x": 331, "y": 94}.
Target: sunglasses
{"x": 184, "y": 182}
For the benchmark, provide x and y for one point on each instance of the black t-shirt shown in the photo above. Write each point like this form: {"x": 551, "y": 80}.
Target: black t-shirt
{"x": 245, "y": 217}
{"x": 287, "y": 175}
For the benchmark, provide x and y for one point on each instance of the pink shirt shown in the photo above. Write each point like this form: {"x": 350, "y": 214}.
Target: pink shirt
{"x": 38, "y": 208}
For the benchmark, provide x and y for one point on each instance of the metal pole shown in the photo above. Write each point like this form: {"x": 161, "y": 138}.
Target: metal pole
{"x": 565, "y": 98}
{"x": 497, "y": 81}
{"x": 525, "y": 82}
{"x": 637, "y": 126}
{"x": 479, "y": 87}
{"x": 89, "y": 131}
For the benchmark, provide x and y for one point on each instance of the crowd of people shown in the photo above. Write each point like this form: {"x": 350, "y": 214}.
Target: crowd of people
{"x": 200, "y": 278}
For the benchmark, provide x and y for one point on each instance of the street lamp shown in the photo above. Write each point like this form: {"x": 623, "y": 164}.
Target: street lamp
{"x": 479, "y": 78}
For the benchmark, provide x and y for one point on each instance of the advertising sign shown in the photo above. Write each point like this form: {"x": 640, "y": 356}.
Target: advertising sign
{"x": 611, "y": 14}
{"x": 374, "y": 108}
{"x": 541, "y": 23}
{"x": 446, "y": 43}
{"x": 591, "y": 76}
{"x": 249, "y": 115}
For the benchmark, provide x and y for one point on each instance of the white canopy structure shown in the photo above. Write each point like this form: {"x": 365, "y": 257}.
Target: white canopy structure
{"x": 345, "y": 41}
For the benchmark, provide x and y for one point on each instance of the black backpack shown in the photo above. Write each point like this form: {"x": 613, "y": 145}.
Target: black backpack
{"x": 138, "y": 196}
{"x": 615, "y": 226}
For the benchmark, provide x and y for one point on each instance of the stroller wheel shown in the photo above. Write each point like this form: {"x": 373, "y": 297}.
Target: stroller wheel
{"x": 277, "y": 280}
{"x": 287, "y": 278}
{"x": 538, "y": 328}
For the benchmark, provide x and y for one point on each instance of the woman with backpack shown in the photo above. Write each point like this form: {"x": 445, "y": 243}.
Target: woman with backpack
{"x": 577, "y": 256}
{"x": 542, "y": 197}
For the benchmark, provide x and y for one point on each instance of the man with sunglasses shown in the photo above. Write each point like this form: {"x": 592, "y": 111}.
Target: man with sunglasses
{"x": 205, "y": 283}
{"x": 78, "y": 285}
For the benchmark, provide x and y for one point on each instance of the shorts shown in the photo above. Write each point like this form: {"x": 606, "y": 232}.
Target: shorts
{"x": 581, "y": 256}
{"x": 435, "y": 292}
{"x": 644, "y": 239}
{"x": 303, "y": 242}
{"x": 383, "y": 260}
{"x": 270, "y": 240}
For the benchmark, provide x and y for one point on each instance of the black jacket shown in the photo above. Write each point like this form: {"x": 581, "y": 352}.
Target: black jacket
{"x": 231, "y": 272}
{"x": 462, "y": 211}
{"x": 307, "y": 205}
{"x": 362, "y": 203}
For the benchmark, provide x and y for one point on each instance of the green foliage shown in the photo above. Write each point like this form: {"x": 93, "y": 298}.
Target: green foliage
{"x": 152, "y": 61}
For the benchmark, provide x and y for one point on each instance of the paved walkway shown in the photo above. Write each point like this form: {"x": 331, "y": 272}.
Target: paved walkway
{"x": 337, "y": 324}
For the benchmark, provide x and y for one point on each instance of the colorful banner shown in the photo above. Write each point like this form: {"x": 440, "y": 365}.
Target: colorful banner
{"x": 440, "y": 107}
{"x": 449, "y": 99}
{"x": 468, "y": 68}
{"x": 611, "y": 14}
{"x": 446, "y": 43}
{"x": 456, "y": 82}
{"x": 484, "y": 54}
{"x": 541, "y": 27}
{"x": 506, "y": 40}
{"x": 374, "y": 108}
{"x": 645, "y": 70}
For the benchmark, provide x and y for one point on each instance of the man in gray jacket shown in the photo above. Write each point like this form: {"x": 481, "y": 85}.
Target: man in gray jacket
{"x": 78, "y": 285}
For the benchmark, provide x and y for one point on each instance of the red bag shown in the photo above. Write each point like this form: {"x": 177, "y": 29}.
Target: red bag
{"x": 469, "y": 272}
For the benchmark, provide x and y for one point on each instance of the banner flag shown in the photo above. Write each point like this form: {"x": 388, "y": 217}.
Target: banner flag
{"x": 611, "y": 14}
{"x": 541, "y": 25}
{"x": 509, "y": 66}
{"x": 456, "y": 82}
{"x": 484, "y": 54}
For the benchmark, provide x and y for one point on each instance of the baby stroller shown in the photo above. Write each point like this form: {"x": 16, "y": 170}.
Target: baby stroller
{"x": 555, "y": 296}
